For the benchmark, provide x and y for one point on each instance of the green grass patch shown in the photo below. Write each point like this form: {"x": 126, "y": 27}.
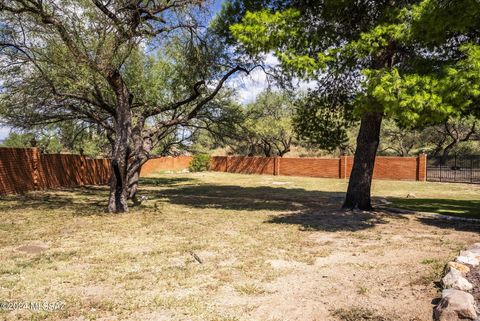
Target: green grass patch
{"x": 453, "y": 207}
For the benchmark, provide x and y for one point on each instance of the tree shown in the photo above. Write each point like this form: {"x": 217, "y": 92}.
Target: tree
{"x": 64, "y": 137}
{"x": 397, "y": 140}
{"x": 332, "y": 42}
{"x": 265, "y": 127}
{"x": 371, "y": 60}
{"x": 69, "y": 62}
{"x": 454, "y": 132}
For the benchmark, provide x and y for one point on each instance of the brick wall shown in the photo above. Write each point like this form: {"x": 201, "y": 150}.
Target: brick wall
{"x": 395, "y": 168}
{"x": 26, "y": 169}
{"x": 16, "y": 168}
{"x": 165, "y": 163}
{"x": 313, "y": 167}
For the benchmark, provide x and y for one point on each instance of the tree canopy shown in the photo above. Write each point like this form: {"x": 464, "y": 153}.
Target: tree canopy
{"x": 136, "y": 69}
{"x": 370, "y": 59}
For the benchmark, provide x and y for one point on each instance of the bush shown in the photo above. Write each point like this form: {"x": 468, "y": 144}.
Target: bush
{"x": 200, "y": 163}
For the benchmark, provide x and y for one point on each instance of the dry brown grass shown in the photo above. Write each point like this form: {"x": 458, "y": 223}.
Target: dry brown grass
{"x": 260, "y": 244}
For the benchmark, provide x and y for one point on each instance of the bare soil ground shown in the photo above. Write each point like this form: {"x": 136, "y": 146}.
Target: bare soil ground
{"x": 271, "y": 248}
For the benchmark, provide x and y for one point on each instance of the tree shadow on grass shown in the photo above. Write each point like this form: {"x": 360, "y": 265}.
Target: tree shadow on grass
{"x": 331, "y": 220}
{"x": 233, "y": 197}
{"x": 451, "y": 207}
{"x": 451, "y": 224}
{"x": 83, "y": 200}
{"x": 165, "y": 181}
{"x": 310, "y": 210}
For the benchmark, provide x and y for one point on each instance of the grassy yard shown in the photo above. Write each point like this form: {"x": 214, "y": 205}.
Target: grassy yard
{"x": 217, "y": 246}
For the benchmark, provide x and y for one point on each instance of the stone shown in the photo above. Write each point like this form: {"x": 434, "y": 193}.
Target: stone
{"x": 468, "y": 260}
{"x": 472, "y": 253}
{"x": 474, "y": 246}
{"x": 455, "y": 280}
{"x": 411, "y": 195}
{"x": 459, "y": 267}
{"x": 455, "y": 305}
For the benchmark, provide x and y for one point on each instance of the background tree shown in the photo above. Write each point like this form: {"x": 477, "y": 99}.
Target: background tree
{"x": 265, "y": 127}
{"x": 371, "y": 60}
{"x": 69, "y": 62}
{"x": 399, "y": 141}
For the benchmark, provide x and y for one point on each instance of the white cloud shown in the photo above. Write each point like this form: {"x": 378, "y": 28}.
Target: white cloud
{"x": 4, "y": 131}
{"x": 248, "y": 87}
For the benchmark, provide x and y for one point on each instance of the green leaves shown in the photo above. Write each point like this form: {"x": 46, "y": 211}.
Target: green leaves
{"x": 263, "y": 31}
{"x": 321, "y": 123}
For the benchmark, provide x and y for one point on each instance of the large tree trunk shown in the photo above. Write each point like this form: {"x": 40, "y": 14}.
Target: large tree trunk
{"x": 140, "y": 151}
{"x": 133, "y": 178}
{"x": 117, "y": 202}
{"x": 358, "y": 194}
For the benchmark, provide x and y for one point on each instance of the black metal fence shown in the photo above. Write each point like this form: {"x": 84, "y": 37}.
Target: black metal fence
{"x": 454, "y": 168}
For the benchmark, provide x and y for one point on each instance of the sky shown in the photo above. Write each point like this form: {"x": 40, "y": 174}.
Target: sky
{"x": 247, "y": 87}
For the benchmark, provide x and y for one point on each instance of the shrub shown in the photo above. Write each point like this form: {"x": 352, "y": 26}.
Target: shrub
{"x": 200, "y": 163}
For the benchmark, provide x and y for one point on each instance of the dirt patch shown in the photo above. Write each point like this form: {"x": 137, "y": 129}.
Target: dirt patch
{"x": 32, "y": 249}
{"x": 358, "y": 314}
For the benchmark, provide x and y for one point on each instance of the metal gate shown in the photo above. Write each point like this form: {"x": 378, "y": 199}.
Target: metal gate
{"x": 455, "y": 168}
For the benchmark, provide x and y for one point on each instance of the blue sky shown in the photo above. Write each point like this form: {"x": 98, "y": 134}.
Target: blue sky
{"x": 217, "y": 5}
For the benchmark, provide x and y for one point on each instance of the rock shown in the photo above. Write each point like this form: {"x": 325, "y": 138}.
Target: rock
{"x": 474, "y": 246}
{"x": 411, "y": 195}
{"x": 459, "y": 267}
{"x": 468, "y": 260}
{"x": 455, "y": 280}
{"x": 455, "y": 305}
{"x": 473, "y": 251}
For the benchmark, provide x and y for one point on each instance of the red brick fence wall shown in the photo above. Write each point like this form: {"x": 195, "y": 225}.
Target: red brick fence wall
{"x": 25, "y": 169}
{"x": 165, "y": 164}
{"x": 395, "y": 168}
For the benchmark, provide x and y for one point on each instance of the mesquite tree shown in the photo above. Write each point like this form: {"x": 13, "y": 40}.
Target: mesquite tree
{"x": 68, "y": 61}
{"x": 371, "y": 59}
{"x": 263, "y": 127}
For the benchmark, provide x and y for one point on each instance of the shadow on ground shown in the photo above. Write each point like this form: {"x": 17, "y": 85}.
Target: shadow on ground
{"x": 165, "y": 181}
{"x": 452, "y": 207}
{"x": 311, "y": 210}
{"x": 451, "y": 224}
{"x": 232, "y": 197}
{"x": 331, "y": 220}
{"x": 84, "y": 200}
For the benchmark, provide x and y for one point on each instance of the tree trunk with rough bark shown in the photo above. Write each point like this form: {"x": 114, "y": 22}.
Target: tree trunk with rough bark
{"x": 358, "y": 194}
{"x": 117, "y": 202}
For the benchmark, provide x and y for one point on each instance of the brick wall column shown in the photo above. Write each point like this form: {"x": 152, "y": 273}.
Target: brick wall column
{"x": 343, "y": 166}
{"x": 276, "y": 166}
{"x": 36, "y": 168}
{"x": 226, "y": 164}
{"x": 422, "y": 167}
